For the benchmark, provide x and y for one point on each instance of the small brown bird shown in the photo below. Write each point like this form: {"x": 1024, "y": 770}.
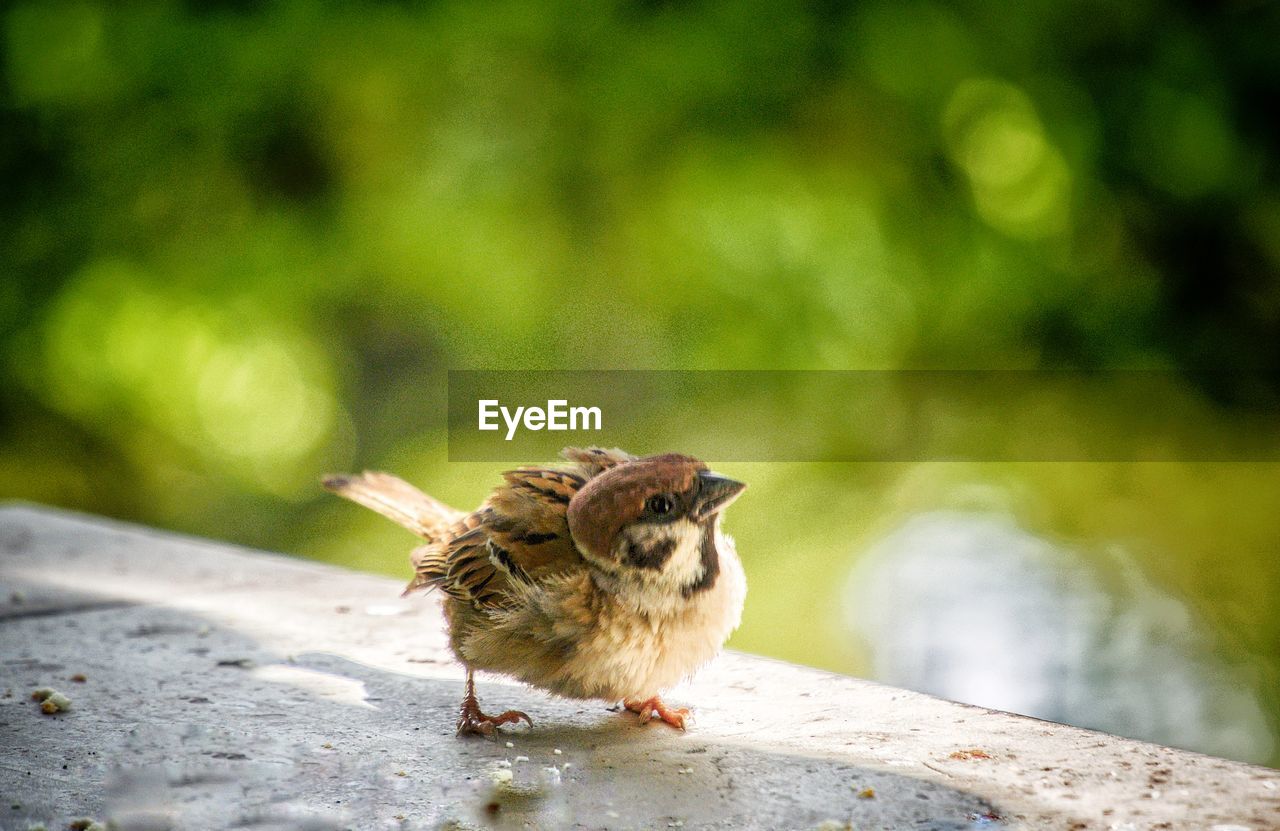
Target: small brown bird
{"x": 604, "y": 578}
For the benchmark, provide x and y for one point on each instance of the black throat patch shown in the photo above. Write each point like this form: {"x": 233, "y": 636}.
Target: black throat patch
{"x": 710, "y": 561}
{"x": 653, "y": 555}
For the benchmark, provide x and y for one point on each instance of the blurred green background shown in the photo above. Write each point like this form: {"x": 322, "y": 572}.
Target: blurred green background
{"x": 242, "y": 243}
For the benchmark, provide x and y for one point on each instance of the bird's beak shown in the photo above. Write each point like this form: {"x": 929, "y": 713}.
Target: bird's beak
{"x": 715, "y": 493}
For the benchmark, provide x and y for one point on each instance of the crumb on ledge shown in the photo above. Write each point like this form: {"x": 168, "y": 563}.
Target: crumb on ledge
{"x": 87, "y": 825}
{"x": 970, "y": 753}
{"x": 51, "y": 701}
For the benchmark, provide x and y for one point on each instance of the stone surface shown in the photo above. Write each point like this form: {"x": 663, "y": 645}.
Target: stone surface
{"x": 232, "y": 688}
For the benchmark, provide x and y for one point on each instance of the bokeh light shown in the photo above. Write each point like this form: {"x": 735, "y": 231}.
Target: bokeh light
{"x": 239, "y": 393}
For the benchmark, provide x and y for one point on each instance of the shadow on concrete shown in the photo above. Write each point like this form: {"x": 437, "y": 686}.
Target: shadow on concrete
{"x": 185, "y": 722}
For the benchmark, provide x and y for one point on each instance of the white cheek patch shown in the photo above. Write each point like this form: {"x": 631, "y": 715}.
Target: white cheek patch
{"x": 686, "y": 562}
{"x": 666, "y": 550}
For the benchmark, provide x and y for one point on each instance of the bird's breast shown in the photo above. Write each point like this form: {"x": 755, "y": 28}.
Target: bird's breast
{"x": 570, "y": 637}
{"x": 633, "y": 652}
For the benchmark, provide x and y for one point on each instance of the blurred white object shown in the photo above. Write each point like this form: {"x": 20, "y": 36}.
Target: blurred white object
{"x": 970, "y": 607}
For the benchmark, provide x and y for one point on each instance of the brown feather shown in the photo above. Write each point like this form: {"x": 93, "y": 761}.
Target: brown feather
{"x": 397, "y": 500}
{"x": 609, "y": 502}
{"x": 519, "y": 534}
{"x": 596, "y": 460}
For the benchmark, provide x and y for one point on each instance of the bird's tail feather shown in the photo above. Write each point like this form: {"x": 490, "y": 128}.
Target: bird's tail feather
{"x": 397, "y": 500}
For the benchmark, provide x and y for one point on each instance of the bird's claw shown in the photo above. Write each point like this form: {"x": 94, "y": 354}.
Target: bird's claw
{"x": 472, "y": 722}
{"x": 652, "y": 708}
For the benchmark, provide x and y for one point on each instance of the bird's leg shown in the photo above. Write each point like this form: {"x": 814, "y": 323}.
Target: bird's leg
{"x": 650, "y": 708}
{"x": 472, "y": 721}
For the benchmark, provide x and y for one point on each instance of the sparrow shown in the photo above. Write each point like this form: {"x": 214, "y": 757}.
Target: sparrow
{"x": 604, "y": 577}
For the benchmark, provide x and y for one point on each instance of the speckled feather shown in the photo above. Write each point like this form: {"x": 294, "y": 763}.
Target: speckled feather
{"x": 520, "y": 533}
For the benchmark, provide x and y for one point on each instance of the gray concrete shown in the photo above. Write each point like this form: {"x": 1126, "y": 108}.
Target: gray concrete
{"x": 231, "y": 688}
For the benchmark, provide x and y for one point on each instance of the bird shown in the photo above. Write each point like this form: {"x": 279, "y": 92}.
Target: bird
{"x": 606, "y": 576}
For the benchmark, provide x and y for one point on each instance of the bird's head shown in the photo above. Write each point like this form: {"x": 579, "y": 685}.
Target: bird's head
{"x": 654, "y": 521}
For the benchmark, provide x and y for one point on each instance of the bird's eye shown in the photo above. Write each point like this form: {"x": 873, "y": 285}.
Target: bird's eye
{"x": 660, "y": 504}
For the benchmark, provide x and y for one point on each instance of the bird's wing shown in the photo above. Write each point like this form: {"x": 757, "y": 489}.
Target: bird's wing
{"x": 520, "y": 534}
{"x": 397, "y": 500}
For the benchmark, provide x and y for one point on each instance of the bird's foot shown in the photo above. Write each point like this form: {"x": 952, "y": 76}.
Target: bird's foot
{"x": 651, "y": 708}
{"x": 471, "y": 721}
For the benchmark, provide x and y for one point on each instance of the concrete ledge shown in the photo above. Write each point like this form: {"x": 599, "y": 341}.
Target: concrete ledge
{"x": 231, "y": 688}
